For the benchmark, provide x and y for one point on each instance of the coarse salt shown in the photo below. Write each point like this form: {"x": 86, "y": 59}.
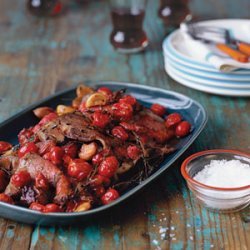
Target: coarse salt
{"x": 224, "y": 174}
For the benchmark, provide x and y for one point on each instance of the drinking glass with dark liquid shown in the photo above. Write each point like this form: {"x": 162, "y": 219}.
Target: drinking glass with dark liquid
{"x": 127, "y": 17}
{"x": 173, "y": 12}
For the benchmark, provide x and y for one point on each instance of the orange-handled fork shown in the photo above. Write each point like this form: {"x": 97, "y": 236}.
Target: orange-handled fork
{"x": 234, "y": 48}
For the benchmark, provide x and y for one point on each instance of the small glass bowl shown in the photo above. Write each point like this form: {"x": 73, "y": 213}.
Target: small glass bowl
{"x": 216, "y": 198}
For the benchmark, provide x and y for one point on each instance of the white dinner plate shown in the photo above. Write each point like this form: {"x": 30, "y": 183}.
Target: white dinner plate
{"x": 206, "y": 88}
{"x": 174, "y": 44}
{"x": 202, "y": 73}
{"x": 207, "y": 81}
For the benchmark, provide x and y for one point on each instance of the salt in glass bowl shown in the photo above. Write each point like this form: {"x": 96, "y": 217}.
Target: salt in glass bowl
{"x": 216, "y": 198}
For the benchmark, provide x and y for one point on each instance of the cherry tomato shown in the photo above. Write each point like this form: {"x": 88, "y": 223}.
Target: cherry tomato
{"x": 48, "y": 118}
{"x": 29, "y": 147}
{"x": 41, "y": 182}
{"x": 172, "y": 120}
{"x": 52, "y": 208}
{"x": 5, "y": 198}
{"x": 24, "y": 136}
{"x": 97, "y": 159}
{"x": 4, "y": 146}
{"x": 158, "y": 109}
{"x": 21, "y": 179}
{"x": 183, "y": 129}
{"x": 66, "y": 160}
{"x": 79, "y": 169}
{"x": 37, "y": 206}
{"x": 133, "y": 152}
{"x": 98, "y": 180}
{"x": 122, "y": 111}
{"x": 70, "y": 149}
{"x": 128, "y": 99}
{"x": 110, "y": 196}
{"x": 56, "y": 155}
{"x": 99, "y": 191}
{"x": 120, "y": 133}
{"x": 105, "y": 91}
{"x": 3, "y": 180}
{"x": 108, "y": 166}
{"x": 100, "y": 119}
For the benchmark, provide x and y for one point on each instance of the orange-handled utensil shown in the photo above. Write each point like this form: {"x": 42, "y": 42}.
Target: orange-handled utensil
{"x": 244, "y": 48}
{"x": 235, "y": 54}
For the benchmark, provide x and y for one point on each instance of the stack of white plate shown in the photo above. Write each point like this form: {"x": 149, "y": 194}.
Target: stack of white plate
{"x": 198, "y": 74}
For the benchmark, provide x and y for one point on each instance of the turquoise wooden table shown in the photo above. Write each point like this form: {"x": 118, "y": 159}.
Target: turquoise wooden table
{"x": 41, "y": 56}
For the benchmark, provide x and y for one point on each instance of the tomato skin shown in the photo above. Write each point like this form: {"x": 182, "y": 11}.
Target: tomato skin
{"x": 56, "y": 155}
{"x": 122, "y": 111}
{"x": 98, "y": 158}
{"x": 120, "y": 133}
{"x": 29, "y": 147}
{"x": 133, "y": 152}
{"x": 24, "y": 136}
{"x": 70, "y": 149}
{"x": 5, "y": 198}
{"x": 108, "y": 166}
{"x": 183, "y": 129}
{"x": 128, "y": 99}
{"x": 172, "y": 120}
{"x": 158, "y": 109}
{"x": 3, "y": 180}
{"x": 52, "y": 208}
{"x": 99, "y": 191}
{"x": 105, "y": 91}
{"x": 109, "y": 196}
{"x": 4, "y": 146}
{"x": 79, "y": 169}
{"x": 21, "y": 179}
{"x": 41, "y": 182}
{"x": 100, "y": 119}
{"x": 37, "y": 207}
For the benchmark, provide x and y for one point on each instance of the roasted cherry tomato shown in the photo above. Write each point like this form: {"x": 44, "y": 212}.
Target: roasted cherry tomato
{"x": 52, "y": 208}
{"x": 70, "y": 149}
{"x": 47, "y": 118}
{"x": 66, "y": 160}
{"x": 37, "y": 206}
{"x": 172, "y": 120}
{"x": 21, "y": 179}
{"x": 110, "y": 196}
{"x": 97, "y": 159}
{"x": 120, "y": 133}
{"x": 183, "y": 129}
{"x": 5, "y": 198}
{"x": 108, "y": 166}
{"x": 128, "y": 99}
{"x": 158, "y": 109}
{"x": 122, "y": 111}
{"x": 56, "y": 155}
{"x": 79, "y": 169}
{"x": 100, "y": 119}
{"x": 41, "y": 182}
{"x": 98, "y": 180}
{"x": 99, "y": 191}
{"x": 3, "y": 180}
{"x": 24, "y": 136}
{"x": 105, "y": 90}
{"x": 29, "y": 147}
{"x": 4, "y": 146}
{"x": 133, "y": 152}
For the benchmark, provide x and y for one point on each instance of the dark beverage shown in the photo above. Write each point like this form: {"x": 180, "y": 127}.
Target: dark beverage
{"x": 128, "y": 35}
{"x": 173, "y": 12}
{"x": 44, "y": 7}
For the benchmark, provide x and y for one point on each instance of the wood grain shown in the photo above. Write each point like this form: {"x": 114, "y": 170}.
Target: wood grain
{"x": 40, "y": 56}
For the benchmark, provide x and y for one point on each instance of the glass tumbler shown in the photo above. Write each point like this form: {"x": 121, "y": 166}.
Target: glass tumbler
{"x": 127, "y": 17}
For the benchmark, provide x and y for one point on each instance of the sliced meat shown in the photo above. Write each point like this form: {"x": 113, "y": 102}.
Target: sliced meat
{"x": 35, "y": 164}
{"x": 72, "y": 126}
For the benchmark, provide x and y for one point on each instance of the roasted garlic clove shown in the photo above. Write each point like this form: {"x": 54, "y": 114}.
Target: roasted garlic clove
{"x": 88, "y": 151}
{"x": 96, "y": 99}
{"x": 62, "y": 109}
{"x": 84, "y": 206}
{"x": 42, "y": 111}
{"x": 83, "y": 90}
